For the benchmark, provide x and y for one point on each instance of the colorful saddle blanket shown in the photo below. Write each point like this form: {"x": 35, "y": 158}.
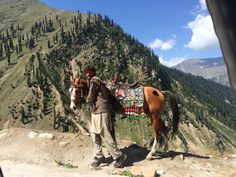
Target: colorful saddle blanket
{"x": 132, "y": 100}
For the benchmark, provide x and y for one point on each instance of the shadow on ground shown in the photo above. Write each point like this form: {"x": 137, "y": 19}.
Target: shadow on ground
{"x": 137, "y": 153}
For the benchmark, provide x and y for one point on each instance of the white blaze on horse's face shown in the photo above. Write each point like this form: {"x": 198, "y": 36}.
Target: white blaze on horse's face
{"x": 72, "y": 91}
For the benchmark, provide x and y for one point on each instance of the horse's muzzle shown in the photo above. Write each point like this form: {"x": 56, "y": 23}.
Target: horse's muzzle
{"x": 73, "y": 107}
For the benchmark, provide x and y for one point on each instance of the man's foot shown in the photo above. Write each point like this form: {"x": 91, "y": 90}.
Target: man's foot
{"x": 120, "y": 161}
{"x": 97, "y": 161}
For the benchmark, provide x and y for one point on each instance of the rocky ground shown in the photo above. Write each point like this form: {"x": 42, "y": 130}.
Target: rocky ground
{"x": 31, "y": 153}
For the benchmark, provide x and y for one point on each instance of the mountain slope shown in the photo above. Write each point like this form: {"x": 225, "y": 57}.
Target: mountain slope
{"x": 34, "y": 78}
{"x": 35, "y": 68}
{"x": 210, "y": 68}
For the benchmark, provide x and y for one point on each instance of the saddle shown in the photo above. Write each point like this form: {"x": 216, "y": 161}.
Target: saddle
{"x": 127, "y": 85}
{"x": 117, "y": 83}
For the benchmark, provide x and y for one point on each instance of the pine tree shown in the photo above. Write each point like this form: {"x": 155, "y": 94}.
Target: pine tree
{"x": 3, "y": 37}
{"x": 23, "y": 115}
{"x": 45, "y": 20}
{"x": 32, "y": 30}
{"x": 31, "y": 42}
{"x": 17, "y": 50}
{"x": 56, "y": 37}
{"x": 11, "y": 45}
{"x": 1, "y": 50}
{"x": 62, "y": 34}
{"x": 18, "y": 26}
{"x": 11, "y": 28}
{"x": 8, "y": 35}
{"x": 20, "y": 48}
{"x": 49, "y": 44}
{"x": 8, "y": 54}
{"x": 68, "y": 39}
{"x": 19, "y": 38}
{"x": 49, "y": 26}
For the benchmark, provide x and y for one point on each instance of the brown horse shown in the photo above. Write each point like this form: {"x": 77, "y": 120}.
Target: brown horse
{"x": 153, "y": 105}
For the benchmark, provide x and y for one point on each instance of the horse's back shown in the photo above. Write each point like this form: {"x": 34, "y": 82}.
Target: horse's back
{"x": 154, "y": 99}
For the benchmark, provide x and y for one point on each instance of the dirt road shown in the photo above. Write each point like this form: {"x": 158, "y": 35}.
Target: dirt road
{"x": 31, "y": 153}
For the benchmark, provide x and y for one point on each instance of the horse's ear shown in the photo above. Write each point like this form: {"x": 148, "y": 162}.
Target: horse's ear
{"x": 71, "y": 79}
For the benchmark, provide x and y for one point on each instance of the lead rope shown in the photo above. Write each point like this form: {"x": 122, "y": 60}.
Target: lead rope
{"x": 82, "y": 93}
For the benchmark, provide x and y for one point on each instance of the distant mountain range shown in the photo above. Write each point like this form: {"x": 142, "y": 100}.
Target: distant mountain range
{"x": 209, "y": 68}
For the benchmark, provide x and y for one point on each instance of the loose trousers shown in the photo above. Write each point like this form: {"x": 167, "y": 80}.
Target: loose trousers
{"x": 100, "y": 130}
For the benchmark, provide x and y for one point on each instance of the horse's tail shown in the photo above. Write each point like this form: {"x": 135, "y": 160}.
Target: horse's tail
{"x": 175, "y": 110}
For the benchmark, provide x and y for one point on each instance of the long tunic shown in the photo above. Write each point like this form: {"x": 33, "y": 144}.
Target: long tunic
{"x": 97, "y": 96}
{"x": 98, "y": 100}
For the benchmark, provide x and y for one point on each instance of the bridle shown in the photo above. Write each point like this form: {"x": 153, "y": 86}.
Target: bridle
{"x": 79, "y": 88}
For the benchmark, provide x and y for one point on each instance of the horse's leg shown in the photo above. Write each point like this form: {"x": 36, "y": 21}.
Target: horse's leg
{"x": 164, "y": 131}
{"x": 155, "y": 126}
{"x": 150, "y": 142}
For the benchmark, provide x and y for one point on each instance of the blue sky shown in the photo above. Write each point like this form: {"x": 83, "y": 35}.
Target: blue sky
{"x": 175, "y": 30}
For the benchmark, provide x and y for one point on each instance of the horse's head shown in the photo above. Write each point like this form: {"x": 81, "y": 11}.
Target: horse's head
{"x": 78, "y": 92}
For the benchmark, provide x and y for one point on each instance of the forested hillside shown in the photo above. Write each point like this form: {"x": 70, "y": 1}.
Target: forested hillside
{"x": 217, "y": 99}
{"x": 213, "y": 104}
{"x": 35, "y": 64}
{"x": 36, "y": 55}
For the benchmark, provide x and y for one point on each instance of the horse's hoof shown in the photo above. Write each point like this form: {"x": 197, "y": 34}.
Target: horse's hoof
{"x": 149, "y": 158}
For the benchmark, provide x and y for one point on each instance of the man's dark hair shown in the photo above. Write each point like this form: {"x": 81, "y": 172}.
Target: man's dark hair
{"x": 89, "y": 68}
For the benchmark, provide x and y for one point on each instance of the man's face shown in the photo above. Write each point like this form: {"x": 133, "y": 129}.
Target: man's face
{"x": 89, "y": 74}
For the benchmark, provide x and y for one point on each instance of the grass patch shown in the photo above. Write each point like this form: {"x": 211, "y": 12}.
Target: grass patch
{"x": 129, "y": 174}
{"x": 66, "y": 165}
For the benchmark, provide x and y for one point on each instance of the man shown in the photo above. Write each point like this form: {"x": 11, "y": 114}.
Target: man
{"x": 101, "y": 124}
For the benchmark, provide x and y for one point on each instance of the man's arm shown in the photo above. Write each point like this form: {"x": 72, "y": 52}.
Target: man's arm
{"x": 91, "y": 94}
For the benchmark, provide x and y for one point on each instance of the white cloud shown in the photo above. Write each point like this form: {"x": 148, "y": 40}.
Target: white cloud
{"x": 172, "y": 61}
{"x": 203, "y": 37}
{"x": 157, "y": 43}
{"x": 167, "y": 45}
{"x": 203, "y": 5}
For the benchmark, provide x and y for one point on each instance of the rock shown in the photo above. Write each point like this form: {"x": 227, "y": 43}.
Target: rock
{"x": 210, "y": 156}
{"x": 3, "y": 134}
{"x": 3, "y": 131}
{"x": 158, "y": 172}
{"x": 63, "y": 143}
{"x": 233, "y": 156}
{"x": 32, "y": 134}
{"x": 46, "y": 135}
{"x": 209, "y": 165}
